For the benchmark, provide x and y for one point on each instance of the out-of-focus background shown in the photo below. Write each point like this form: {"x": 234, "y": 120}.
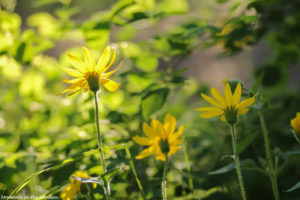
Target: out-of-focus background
{"x": 173, "y": 50}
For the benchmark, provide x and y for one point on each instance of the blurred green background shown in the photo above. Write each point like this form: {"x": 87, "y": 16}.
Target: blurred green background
{"x": 173, "y": 50}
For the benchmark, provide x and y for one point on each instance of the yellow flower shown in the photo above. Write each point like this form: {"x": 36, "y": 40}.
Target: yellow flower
{"x": 161, "y": 138}
{"x": 295, "y": 123}
{"x": 89, "y": 74}
{"x": 229, "y": 108}
{"x": 71, "y": 190}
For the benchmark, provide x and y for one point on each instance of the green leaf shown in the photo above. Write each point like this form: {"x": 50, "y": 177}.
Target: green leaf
{"x": 295, "y": 187}
{"x": 146, "y": 63}
{"x": 153, "y": 101}
{"x": 257, "y": 83}
{"x": 246, "y": 164}
{"x": 171, "y": 7}
{"x": 245, "y": 143}
{"x": 110, "y": 174}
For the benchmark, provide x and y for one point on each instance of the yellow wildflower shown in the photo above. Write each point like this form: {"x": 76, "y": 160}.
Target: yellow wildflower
{"x": 71, "y": 190}
{"x": 161, "y": 138}
{"x": 89, "y": 74}
{"x": 229, "y": 108}
{"x": 295, "y": 123}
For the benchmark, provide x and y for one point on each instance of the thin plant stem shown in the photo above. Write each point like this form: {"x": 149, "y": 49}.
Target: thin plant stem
{"x": 272, "y": 173}
{"x": 296, "y": 137}
{"x": 188, "y": 167}
{"x": 164, "y": 179}
{"x": 237, "y": 162}
{"x": 100, "y": 148}
{"x": 134, "y": 172}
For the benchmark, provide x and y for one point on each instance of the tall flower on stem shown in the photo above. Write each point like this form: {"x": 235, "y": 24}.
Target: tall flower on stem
{"x": 163, "y": 141}
{"x": 229, "y": 108}
{"x": 89, "y": 75}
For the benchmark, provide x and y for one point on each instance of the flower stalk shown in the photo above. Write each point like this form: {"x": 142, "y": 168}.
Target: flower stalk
{"x": 271, "y": 172}
{"x": 164, "y": 179}
{"x": 100, "y": 148}
{"x": 237, "y": 161}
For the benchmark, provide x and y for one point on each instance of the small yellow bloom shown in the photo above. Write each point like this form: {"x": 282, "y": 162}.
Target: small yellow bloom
{"x": 161, "y": 138}
{"x": 295, "y": 123}
{"x": 88, "y": 74}
{"x": 71, "y": 190}
{"x": 229, "y": 108}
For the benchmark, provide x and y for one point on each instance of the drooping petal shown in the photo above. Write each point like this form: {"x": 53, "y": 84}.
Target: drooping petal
{"x": 209, "y": 109}
{"x": 109, "y": 84}
{"x": 216, "y": 94}
{"x": 76, "y": 63}
{"x": 246, "y": 103}
{"x": 108, "y": 74}
{"x": 72, "y": 72}
{"x": 72, "y": 80}
{"x": 211, "y": 101}
{"x": 145, "y": 153}
{"x": 237, "y": 94}
{"x": 210, "y": 114}
{"x": 142, "y": 140}
{"x": 228, "y": 95}
{"x": 89, "y": 59}
{"x": 103, "y": 60}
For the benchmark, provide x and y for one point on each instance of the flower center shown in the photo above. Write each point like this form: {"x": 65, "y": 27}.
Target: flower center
{"x": 231, "y": 114}
{"x": 93, "y": 80}
{"x": 164, "y": 146}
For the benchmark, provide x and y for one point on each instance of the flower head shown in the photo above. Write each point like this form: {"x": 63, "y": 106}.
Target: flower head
{"x": 161, "y": 138}
{"x": 70, "y": 191}
{"x": 295, "y": 123}
{"x": 229, "y": 108}
{"x": 89, "y": 75}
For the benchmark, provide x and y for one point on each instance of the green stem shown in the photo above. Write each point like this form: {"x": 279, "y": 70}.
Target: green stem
{"x": 272, "y": 173}
{"x": 164, "y": 179}
{"x": 100, "y": 148}
{"x": 134, "y": 172}
{"x": 296, "y": 137}
{"x": 188, "y": 167}
{"x": 237, "y": 162}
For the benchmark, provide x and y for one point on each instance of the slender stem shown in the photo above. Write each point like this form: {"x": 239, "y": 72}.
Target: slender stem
{"x": 296, "y": 137}
{"x": 134, "y": 172}
{"x": 164, "y": 179}
{"x": 272, "y": 173}
{"x": 237, "y": 162}
{"x": 188, "y": 167}
{"x": 100, "y": 148}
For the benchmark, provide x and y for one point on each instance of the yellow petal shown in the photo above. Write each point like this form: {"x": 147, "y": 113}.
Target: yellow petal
{"x": 211, "y": 101}
{"x": 108, "y": 74}
{"x": 72, "y": 80}
{"x": 76, "y": 63}
{"x": 246, "y": 103}
{"x": 160, "y": 156}
{"x": 216, "y": 94}
{"x": 103, "y": 60}
{"x": 157, "y": 128}
{"x": 223, "y": 118}
{"x": 176, "y": 135}
{"x": 177, "y": 142}
{"x": 169, "y": 125}
{"x": 72, "y": 72}
{"x": 237, "y": 94}
{"x": 148, "y": 130}
{"x": 109, "y": 84}
{"x": 89, "y": 58}
{"x": 142, "y": 140}
{"x": 145, "y": 153}
{"x": 243, "y": 111}
{"x": 210, "y": 114}
{"x": 209, "y": 109}
{"x": 173, "y": 149}
{"x": 228, "y": 95}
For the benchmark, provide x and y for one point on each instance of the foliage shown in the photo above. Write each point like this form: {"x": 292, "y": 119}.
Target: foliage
{"x": 45, "y": 138}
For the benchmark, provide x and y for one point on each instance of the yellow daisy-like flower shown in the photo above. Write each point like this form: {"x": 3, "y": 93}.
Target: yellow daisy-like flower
{"x": 295, "y": 123}
{"x": 161, "y": 138}
{"x": 70, "y": 191}
{"x": 89, "y": 75}
{"x": 229, "y": 108}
